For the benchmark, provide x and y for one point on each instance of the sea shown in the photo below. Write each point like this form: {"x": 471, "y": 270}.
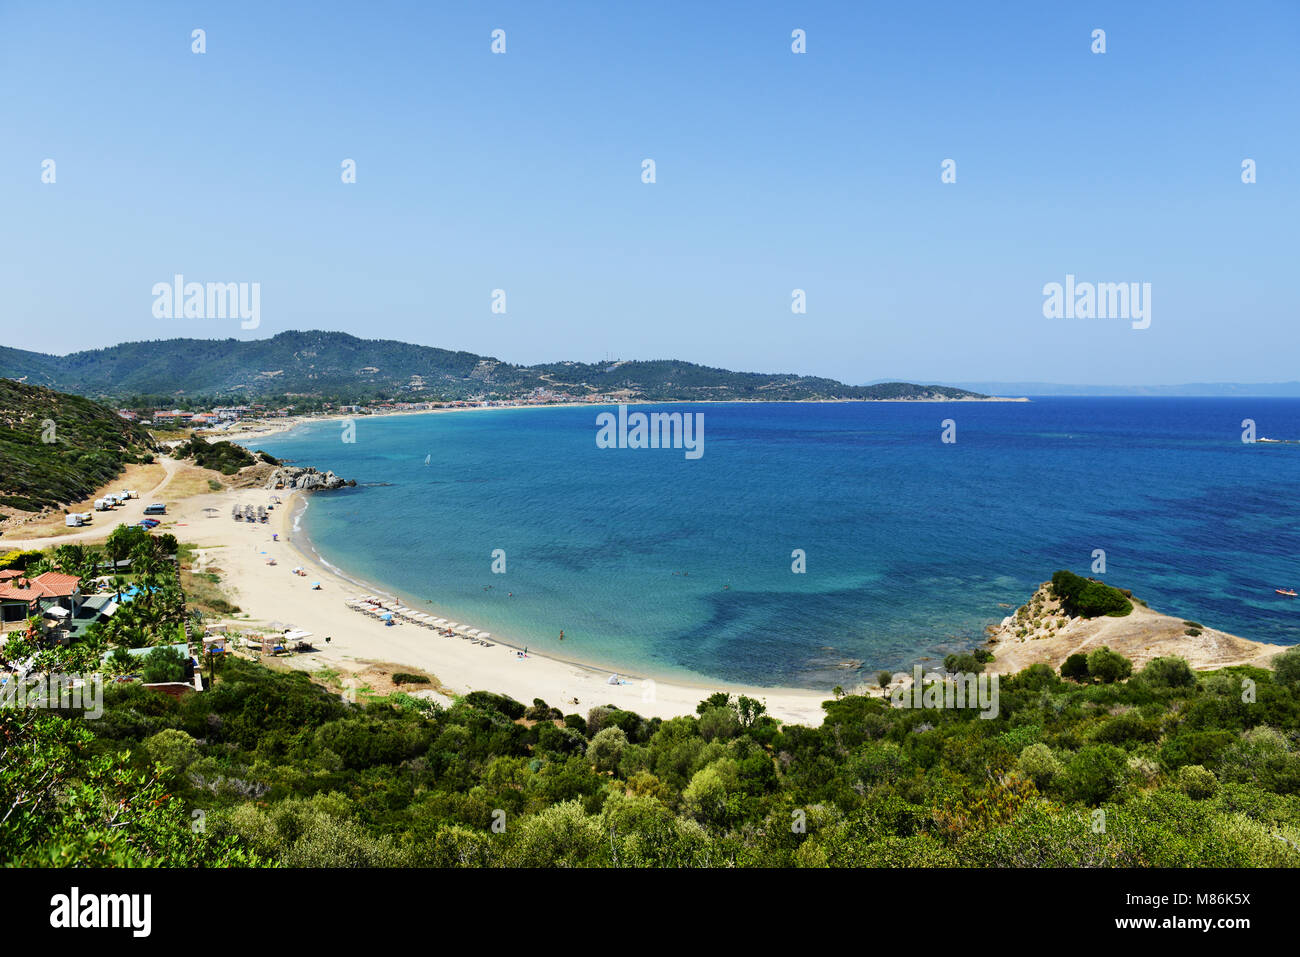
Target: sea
{"x": 810, "y": 544}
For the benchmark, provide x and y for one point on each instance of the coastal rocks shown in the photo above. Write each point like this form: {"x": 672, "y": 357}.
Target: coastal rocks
{"x": 306, "y": 479}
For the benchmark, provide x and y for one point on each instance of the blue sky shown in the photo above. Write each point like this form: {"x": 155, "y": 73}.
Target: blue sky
{"x": 775, "y": 171}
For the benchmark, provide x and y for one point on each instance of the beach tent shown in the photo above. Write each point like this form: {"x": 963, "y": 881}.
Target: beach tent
{"x": 612, "y": 680}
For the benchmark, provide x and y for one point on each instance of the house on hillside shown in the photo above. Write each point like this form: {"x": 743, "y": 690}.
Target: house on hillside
{"x": 51, "y": 594}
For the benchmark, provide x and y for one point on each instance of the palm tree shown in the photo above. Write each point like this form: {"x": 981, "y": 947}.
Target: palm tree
{"x": 70, "y": 558}
{"x": 90, "y": 563}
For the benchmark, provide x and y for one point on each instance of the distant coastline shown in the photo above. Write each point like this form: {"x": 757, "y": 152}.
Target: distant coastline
{"x": 265, "y": 427}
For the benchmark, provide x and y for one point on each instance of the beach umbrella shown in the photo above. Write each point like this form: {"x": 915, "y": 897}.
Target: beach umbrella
{"x": 485, "y": 634}
{"x": 387, "y": 616}
{"x": 453, "y": 625}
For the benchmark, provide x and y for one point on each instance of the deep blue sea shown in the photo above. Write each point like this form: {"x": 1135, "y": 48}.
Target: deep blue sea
{"x": 656, "y": 564}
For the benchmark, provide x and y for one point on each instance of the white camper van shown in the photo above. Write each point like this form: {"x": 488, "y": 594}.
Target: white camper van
{"x": 73, "y": 520}
{"x": 102, "y": 505}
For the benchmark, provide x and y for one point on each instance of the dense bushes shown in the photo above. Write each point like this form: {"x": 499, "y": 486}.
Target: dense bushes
{"x": 163, "y": 665}
{"x": 224, "y": 457}
{"x": 1087, "y": 598}
{"x": 1181, "y": 773}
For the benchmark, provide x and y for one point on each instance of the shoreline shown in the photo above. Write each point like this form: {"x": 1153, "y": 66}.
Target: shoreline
{"x": 266, "y": 428}
{"x": 313, "y": 555}
{"x": 271, "y": 596}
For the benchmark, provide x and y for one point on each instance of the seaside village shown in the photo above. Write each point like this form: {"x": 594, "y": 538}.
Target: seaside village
{"x": 218, "y": 419}
{"x": 118, "y": 611}
{"x": 118, "y": 608}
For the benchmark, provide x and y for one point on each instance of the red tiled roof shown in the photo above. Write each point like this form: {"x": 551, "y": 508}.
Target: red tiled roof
{"x": 66, "y": 584}
{"x": 47, "y": 585}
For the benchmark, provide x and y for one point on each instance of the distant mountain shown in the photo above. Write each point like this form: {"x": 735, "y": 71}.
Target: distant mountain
{"x": 56, "y": 448}
{"x": 339, "y": 366}
{"x": 1207, "y": 389}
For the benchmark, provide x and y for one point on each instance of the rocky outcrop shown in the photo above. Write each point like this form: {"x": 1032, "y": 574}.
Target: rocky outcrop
{"x": 307, "y": 479}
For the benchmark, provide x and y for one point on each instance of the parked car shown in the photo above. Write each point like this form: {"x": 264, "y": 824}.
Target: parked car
{"x": 157, "y": 508}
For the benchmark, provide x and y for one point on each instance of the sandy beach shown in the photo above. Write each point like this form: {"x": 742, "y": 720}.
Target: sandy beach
{"x": 272, "y": 593}
{"x": 271, "y": 597}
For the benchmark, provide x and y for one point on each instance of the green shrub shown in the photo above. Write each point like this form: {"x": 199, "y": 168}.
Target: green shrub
{"x": 1096, "y": 773}
{"x": 1075, "y": 667}
{"x": 1286, "y": 667}
{"x": 606, "y": 748}
{"x": 1168, "y": 673}
{"x": 1197, "y": 782}
{"x": 163, "y": 665}
{"x": 173, "y": 748}
{"x": 1087, "y": 598}
{"x": 508, "y": 706}
{"x": 962, "y": 664}
{"x": 1040, "y": 765}
{"x": 1108, "y": 666}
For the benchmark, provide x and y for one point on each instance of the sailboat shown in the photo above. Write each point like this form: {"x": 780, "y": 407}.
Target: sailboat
{"x": 427, "y": 458}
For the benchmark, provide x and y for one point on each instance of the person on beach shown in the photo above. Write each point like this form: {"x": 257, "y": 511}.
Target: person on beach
{"x": 561, "y": 634}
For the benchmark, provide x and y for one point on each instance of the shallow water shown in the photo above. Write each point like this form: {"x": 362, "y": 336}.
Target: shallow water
{"x": 654, "y": 563}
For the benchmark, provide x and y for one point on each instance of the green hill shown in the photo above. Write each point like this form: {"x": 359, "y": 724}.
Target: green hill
{"x": 57, "y": 448}
{"x": 336, "y": 365}
{"x": 1179, "y": 770}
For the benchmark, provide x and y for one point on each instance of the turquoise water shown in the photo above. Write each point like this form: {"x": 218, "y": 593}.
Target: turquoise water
{"x": 660, "y": 565}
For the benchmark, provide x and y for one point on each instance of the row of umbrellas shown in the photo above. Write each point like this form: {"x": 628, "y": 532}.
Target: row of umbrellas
{"x": 373, "y": 605}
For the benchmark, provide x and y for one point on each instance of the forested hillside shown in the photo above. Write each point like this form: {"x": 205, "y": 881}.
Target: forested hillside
{"x": 1184, "y": 771}
{"x": 57, "y": 448}
{"x": 342, "y": 367}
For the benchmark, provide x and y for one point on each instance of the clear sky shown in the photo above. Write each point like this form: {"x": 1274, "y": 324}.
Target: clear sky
{"x": 775, "y": 171}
